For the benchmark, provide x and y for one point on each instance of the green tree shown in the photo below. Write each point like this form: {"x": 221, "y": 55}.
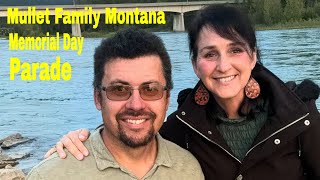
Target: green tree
{"x": 309, "y": 3}
{"x": 294, "y": 10}
{"x": 272, "y": 11}
{"x": 309, "y": 13}
{"x": 256, "y": 11}
{"x": 317, "y": 8}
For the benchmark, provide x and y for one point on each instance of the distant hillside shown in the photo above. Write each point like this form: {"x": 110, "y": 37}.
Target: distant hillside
{"x": 35, "y": 2}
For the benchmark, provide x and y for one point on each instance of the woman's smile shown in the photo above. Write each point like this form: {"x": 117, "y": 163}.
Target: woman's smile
{"x": 225, "y": 79}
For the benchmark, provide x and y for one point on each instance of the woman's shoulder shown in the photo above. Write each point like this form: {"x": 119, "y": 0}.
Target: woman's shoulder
{"x": 182, "y": 96}
{"x": 307, "y": 90}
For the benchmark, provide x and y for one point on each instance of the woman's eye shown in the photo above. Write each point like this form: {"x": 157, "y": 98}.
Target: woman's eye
{"x": 210, "y": 55}
{"x": 236, "y": 50}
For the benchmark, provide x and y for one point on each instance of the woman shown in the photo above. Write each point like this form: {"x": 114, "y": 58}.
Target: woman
{"x": 240, "y": 121}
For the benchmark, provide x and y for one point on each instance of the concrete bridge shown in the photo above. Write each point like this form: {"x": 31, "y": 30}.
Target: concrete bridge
{"x": 179, "y": 8}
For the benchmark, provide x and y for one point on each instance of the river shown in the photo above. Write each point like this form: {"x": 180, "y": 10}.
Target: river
{"x": 45, "y": 110}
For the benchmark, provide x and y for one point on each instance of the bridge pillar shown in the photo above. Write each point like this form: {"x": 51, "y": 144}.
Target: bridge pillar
{"x": 76, "y": 30}
{"x": 178, "y": 22}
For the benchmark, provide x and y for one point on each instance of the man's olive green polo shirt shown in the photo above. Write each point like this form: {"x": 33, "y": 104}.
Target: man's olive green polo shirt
{"x": 172, "y": 162}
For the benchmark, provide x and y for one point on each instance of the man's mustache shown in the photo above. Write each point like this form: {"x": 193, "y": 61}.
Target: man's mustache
{"x": 149, "y": 115}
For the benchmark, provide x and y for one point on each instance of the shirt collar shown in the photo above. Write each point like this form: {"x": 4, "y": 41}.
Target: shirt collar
{"x": 101, "y": 154}
{"x": 163, "y": 156}
{"x": 104, "y": 158}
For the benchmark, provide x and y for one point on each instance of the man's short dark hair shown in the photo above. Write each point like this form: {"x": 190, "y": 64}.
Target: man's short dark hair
{"x": 130, "y": 44}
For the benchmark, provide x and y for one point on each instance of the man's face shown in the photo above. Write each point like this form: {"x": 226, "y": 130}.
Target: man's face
{"x": 135, "y": 121}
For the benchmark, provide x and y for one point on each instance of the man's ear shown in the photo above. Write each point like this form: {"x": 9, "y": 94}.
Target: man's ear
{"x": 168, "y": 100}
{"x": 97, "y": 99}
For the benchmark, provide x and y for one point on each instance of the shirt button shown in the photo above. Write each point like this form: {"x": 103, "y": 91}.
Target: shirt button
{"x": 240, "y": 177}
{"x": 183, "y": 113}
{"x": 209, "y": 132}
{"x": 307, "y": 122}
{"x": 277, "y": 141}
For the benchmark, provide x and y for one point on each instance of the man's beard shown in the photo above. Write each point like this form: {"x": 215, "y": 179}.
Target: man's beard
{"x": 132, "y": 141}
{"x": 135, "y": 142}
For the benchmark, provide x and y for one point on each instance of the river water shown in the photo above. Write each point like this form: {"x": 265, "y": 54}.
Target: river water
{"x": 45, "y": 110}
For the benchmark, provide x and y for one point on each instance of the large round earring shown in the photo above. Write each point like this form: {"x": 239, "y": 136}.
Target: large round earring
{"x": 202, "y": 95}
{"x": 252, "y": 89}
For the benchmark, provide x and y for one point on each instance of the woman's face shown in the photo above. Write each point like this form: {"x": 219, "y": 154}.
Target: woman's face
{"x": 224, "y": 66}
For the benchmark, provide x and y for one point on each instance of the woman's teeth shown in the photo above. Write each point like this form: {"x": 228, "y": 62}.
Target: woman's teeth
{"x": 226, "y": 79}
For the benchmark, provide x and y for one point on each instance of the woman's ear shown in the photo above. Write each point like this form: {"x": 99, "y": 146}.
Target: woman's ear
{"x": 254, "y": 59}
{"x": 195, "y": 68}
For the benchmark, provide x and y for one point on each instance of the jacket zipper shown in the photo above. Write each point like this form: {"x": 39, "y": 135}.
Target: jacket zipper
{"x": 281, "y": 129}
{"x": 208, "y": 139}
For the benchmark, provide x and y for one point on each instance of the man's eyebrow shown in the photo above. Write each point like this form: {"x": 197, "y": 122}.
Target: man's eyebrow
{"x": 118, "y": 81}
{"x": 149, "y": 82}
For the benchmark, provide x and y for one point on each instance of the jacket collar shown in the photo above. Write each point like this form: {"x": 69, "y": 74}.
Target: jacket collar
{"x": 285, "y": 106}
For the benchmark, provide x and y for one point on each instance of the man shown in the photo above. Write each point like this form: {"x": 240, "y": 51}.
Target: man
{"x": 132, "y": 83}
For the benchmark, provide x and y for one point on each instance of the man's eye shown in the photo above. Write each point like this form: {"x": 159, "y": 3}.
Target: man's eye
{"x": 119, "y": 88}
{"x": 151, "y": 90}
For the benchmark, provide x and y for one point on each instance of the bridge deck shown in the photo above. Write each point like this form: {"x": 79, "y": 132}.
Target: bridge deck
{"x": 127, "y": 5}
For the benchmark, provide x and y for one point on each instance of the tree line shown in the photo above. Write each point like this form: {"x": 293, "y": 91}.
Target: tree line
{"x": 262, "y": 12}
{"x": 270, "y": 12}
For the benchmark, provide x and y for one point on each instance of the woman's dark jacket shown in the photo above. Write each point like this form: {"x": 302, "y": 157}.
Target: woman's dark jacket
{"x": 286, "y": 148}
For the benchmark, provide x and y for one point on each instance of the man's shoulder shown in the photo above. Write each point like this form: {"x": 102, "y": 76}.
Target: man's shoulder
{"x": 183, "y": 163}
{"x": 178, "y": 154}
{"x": 56, "y": 168}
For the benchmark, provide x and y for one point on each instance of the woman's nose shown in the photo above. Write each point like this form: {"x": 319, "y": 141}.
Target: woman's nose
{"x": 224, "y": 64}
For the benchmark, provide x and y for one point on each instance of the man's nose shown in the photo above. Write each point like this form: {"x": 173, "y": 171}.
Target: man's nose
{"x": 135, "y": 102}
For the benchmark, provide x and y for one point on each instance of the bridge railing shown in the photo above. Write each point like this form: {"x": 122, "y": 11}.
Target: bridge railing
{"x": 158, "y": 4}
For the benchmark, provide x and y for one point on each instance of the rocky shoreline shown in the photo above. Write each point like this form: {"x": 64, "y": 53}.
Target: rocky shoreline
{"x": 8, "y": 171}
